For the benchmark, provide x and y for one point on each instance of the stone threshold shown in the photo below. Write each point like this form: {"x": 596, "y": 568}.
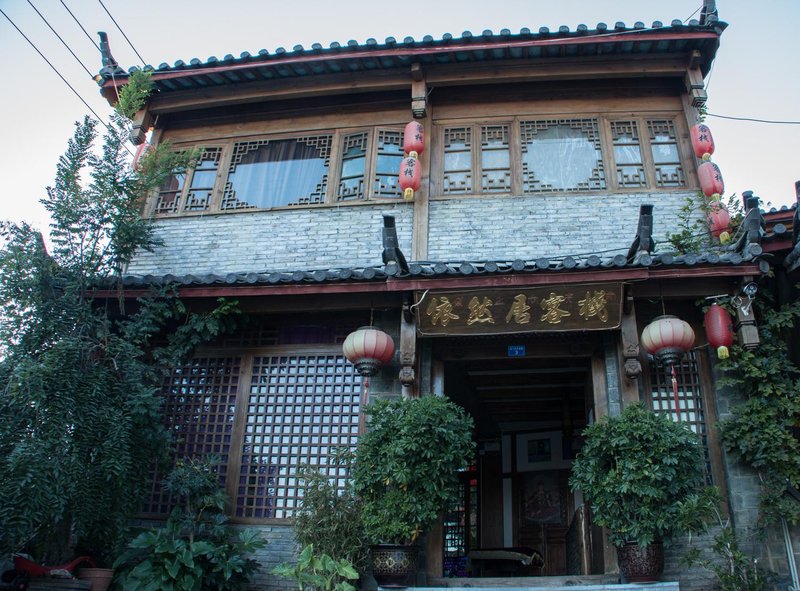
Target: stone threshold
{"x": 575, "y": 583}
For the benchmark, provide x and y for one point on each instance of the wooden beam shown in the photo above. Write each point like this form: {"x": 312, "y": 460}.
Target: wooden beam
{"x": 435, "y": 75}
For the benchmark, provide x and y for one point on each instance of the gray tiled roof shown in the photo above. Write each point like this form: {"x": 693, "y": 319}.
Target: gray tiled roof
{"x": 441, "y": 270}
{"x": 352, "y": 56}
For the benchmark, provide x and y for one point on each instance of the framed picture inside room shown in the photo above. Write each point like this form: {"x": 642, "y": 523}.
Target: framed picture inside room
{"x": 540, "y": 451}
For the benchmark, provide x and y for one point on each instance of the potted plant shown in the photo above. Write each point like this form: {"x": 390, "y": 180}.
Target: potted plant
{"x": 637, "y": 471}
{"x": 405, "y": 472}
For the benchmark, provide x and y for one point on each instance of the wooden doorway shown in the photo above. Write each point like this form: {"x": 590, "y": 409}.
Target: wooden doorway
{"x": 529, "y": 412}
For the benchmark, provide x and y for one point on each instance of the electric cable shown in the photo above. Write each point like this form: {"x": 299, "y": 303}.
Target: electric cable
{"x": 123, "y": 32}
{"x": 753, "y": 119}
{"x": 64, "y": 43}
{"x": 55, "y": 69}
{"x": 75, "y": 18}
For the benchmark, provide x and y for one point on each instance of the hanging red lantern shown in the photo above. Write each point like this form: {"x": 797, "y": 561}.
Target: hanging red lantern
{"x": 368, "y": 348}
{"x": 702, "y": 141}
{"x": 710, "y": 180}
{"x": 414, "y": 139}
{"x": 141, "y": 150}
{"x": 410, "y": 177}
{"x": 668, "y": 338}
{"x": 719, "y": 221}
{"x": 719, "y": 329}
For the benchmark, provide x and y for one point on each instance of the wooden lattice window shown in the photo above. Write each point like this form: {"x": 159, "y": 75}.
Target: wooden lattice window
{"x": 691, "y": 408}
{"x": 198, "y": 406}
{"x": 628, "y": 154}
{"x": 495, "y": 159}
{"x": 300, "y": 409}
{"x": 561, "y": 155}
{"x": 277, "y": 172}
{"x": 666, "y": 157}
{"x": 457, "y": 173}
{"x": 388, "y": 156}
{"x": 353, "y": 167}
{"x": 204, "y": 176}
{"x": 199, "y": 189}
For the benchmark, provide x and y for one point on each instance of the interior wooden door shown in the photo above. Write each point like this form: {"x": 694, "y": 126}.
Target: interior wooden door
{"x": 544, "y": 508}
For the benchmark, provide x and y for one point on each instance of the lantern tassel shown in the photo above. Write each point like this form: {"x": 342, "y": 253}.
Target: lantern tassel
{"x": 675, "y": 394}
{"x": 362, "y": 416}
{"x": 722, "y": 352}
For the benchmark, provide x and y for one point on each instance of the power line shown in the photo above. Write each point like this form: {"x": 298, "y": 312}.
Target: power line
{"x": 123, "y": 32}
{"x": 55, "y": 70}
{"x": 754, "y": 119}
{"x": 64, "y": 43}
{"x": 81, "y": 26}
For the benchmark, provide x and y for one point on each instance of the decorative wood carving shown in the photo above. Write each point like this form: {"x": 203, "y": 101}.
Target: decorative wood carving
{"x": 408, "y": 353}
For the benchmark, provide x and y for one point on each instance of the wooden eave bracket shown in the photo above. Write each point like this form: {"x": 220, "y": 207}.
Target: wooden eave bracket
{"x": 695, "y": 87}
{"x": 142, "y": 121}
{"x": 408, "y": 352}
{"x": 419, "y": 92}
{"x": 643, "y": 242}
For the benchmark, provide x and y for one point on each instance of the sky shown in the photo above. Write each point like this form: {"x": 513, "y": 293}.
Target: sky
{"x": 756, "y": 74}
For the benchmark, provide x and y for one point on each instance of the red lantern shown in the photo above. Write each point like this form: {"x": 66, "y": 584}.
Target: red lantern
{"x": 719, "y": 329}
{"x": 368, "y": 348}
{"x": 710, "y": 180}
{"x": 702, "y": 141}
{"x": 668, "y": 338}
{"x": 719, "y": 221}
{"x": 143, "y": 148}
{"x": 410, "y": 177}
{"x": 414, "y": 139}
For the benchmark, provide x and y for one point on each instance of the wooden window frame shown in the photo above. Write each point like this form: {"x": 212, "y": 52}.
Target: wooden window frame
{"x": 603, "y": 122}
{"x": 330, "y": 197}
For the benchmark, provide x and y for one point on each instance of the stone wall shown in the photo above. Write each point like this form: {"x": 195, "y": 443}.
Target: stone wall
{"x": 273, "y": 241}
{"x": 467, "y": 229}
{"x": 528, "y": 227}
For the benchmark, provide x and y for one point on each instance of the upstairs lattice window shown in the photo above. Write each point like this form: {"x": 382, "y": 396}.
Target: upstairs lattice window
{"x": 628, "y": 154}
{"x": 273, "y": 173}
{"x": 561, "y": 155}
{"x": 198, "y": 193}
{"x": 388, "y": 156}
{"x": 666, "y": 158}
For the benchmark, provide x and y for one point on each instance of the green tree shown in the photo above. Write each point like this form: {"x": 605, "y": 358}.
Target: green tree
{"x": 79, "y": 418}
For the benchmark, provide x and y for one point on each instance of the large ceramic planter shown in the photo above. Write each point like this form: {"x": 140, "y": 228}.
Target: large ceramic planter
{"x": 641, "y": 564}
{"x": 100, "y": 578}
{"x": 394, "y": 566}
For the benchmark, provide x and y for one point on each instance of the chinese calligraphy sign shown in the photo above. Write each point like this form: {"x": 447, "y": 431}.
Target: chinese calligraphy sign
{"x": 528, "y": 309}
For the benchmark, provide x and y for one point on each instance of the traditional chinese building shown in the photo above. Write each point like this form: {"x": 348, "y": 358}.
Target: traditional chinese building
{"x": 516, "y": 281}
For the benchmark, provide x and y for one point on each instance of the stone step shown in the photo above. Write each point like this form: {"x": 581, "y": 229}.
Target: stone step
{"x": 546, "y": 584}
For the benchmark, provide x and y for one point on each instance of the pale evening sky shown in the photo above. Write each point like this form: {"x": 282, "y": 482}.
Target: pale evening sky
{"x": 756, "y": 73}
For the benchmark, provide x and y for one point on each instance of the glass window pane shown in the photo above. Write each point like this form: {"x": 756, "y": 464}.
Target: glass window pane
{"x": 457, "y": 173}
{"x": 353, "y": 169}
{"x": 274, "y": 173}
{"x": 387, "y": 164}
{"x": 664, "y": 147}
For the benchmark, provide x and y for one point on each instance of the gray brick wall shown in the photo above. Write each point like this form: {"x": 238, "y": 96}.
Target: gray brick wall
{"x": 529, "y": 227}
{"x": 281, "y": 547}
{"x": 273, "y": 241}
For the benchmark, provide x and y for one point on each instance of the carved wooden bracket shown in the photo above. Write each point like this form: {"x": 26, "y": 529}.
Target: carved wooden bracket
{"x": 630, "y": 341}
{"x": 419, "y": 92}
{"x": 142, "y": 121}
{"x": 408, "y": 352}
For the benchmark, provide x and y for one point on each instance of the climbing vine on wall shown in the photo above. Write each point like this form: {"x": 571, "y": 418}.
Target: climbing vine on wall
{"x": 764, "y": 428}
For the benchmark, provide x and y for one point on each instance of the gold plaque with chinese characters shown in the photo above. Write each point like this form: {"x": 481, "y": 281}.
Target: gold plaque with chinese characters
{"x": 531, "y": 309}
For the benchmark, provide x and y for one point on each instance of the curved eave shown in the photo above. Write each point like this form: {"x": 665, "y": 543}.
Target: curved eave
{"x": 390, "y": 56}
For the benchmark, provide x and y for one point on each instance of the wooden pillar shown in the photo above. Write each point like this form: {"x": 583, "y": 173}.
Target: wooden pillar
{"x": 629, "y": 355}
{"x": 422, "y": 112}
